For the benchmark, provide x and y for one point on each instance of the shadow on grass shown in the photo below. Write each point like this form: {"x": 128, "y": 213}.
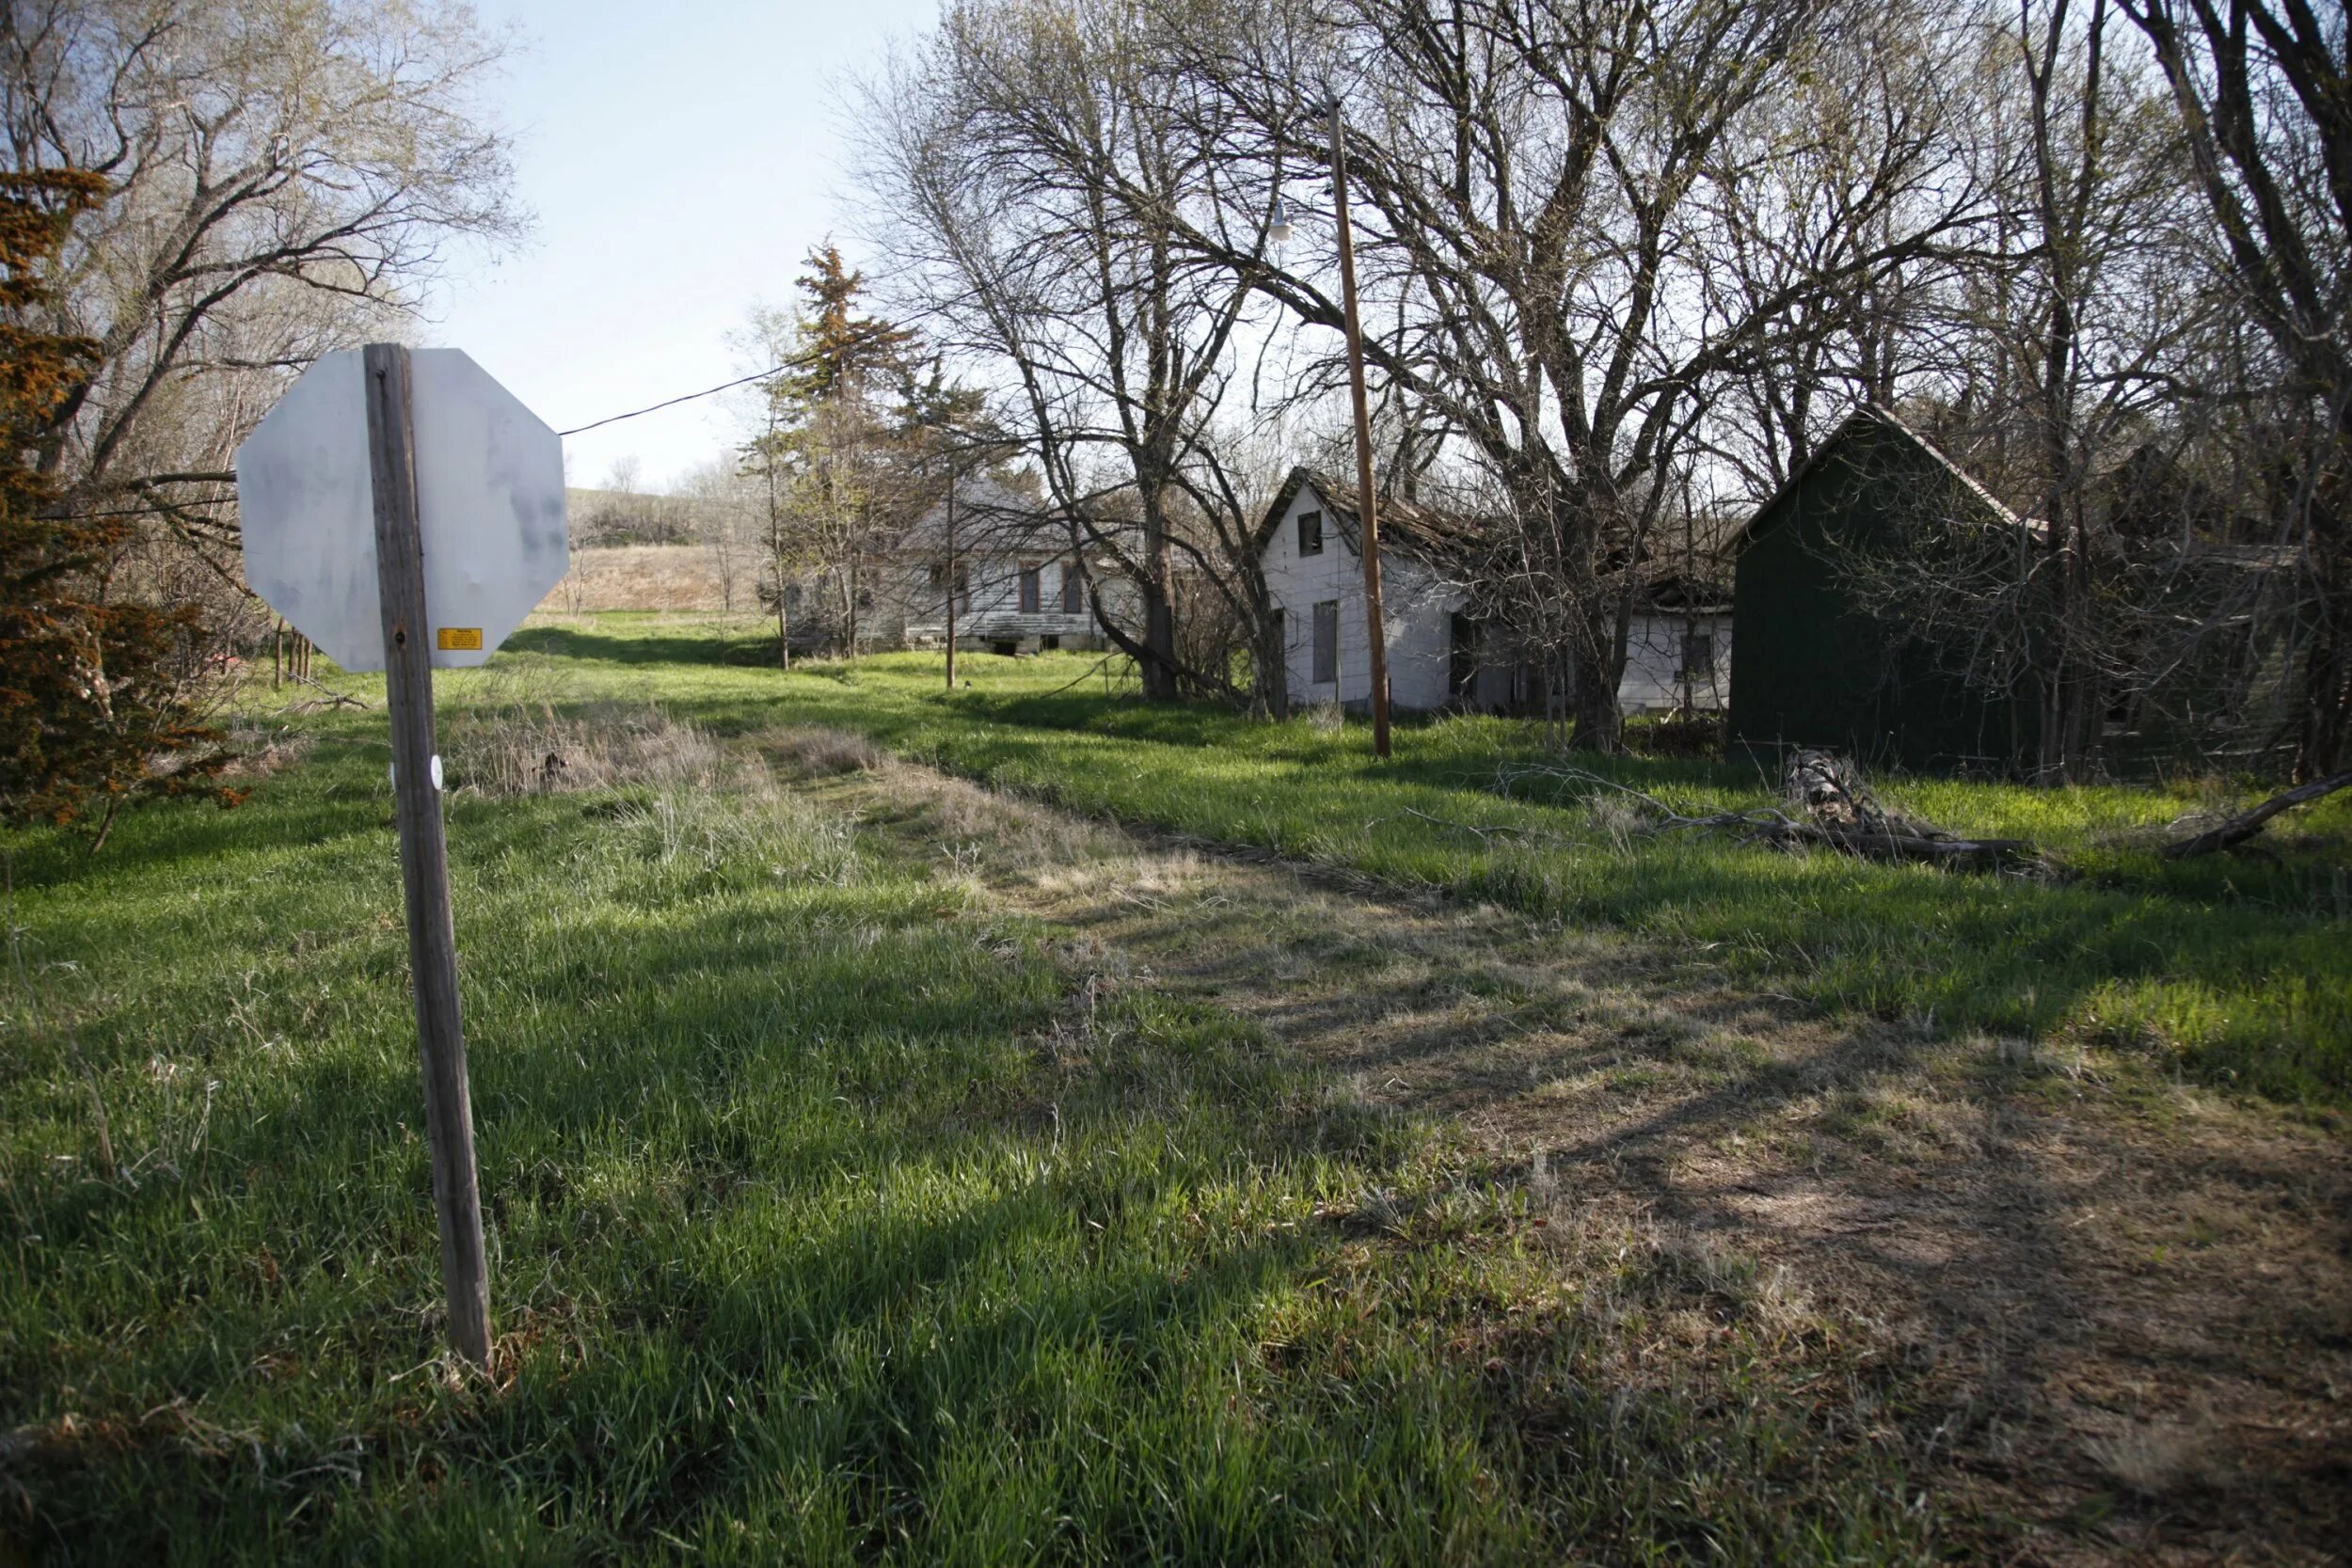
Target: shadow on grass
{"x": 735, "y": 650}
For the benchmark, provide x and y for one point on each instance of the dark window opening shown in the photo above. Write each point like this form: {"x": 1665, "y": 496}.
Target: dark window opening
{"x": 1049, "y": 644}
{"x": 1311, "y": 533}
{"x": 1326, "y": 655}
{"x": 1030, "y": 597}
{"x": 1073, "y": 589}
{"x": 963, "y": 588}
{"x": 1462, "y": 658}
{"x": 1698, "y": 653}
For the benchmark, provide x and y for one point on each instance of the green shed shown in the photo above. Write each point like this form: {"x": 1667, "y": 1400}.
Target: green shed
{"x": 1816, "y": 666}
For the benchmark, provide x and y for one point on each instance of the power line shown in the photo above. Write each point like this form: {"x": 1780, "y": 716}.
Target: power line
{"x": 798, "y": 361}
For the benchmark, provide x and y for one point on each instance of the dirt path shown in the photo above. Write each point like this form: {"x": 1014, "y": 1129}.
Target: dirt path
{"x": 2122, "y": 1312}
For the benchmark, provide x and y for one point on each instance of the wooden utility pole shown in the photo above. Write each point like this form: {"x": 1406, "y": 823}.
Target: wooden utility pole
{"x": 1367, "y": 510}
{"x": 951, "y": 574}
{"x": 423, "y": 849}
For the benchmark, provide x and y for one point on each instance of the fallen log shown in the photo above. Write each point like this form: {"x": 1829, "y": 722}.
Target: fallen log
{"x": 2237, "y": 829}
{"x": 1870, "y": 831}
{"x": 1828, "y": 805}
{"x": 1966, "y": 854}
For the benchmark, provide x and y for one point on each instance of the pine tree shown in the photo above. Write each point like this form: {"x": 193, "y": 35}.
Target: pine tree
{"x": 843, "y": 351}
{"x": 93, "y": 713}
{"x": 830, "y": 452}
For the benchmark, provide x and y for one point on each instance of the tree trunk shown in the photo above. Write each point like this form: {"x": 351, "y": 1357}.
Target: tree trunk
{"x": 1159, "y": 609}
{"x": 1593, "y": 703}
{"x": 1271, "y": 686}
{"x": 2067, "y": 676}
{"x": 2321, "y": 739}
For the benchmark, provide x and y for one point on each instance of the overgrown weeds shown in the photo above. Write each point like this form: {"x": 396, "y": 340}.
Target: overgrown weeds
{"x": 805, "y": 1250}
{"x": 2229, "y": 966}
{"x": 530, "y": 748}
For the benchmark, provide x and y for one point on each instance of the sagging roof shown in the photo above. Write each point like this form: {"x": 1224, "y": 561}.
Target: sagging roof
{"x": 991, "y": 517}
{"x": 1451, "y": 542}
{"x": 1437, "y": 539}
{"x": 1868, "y": 418}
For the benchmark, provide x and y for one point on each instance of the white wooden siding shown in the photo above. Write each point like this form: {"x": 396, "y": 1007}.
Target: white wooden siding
{"x": 992, "y": 609}
{"x": 1653, "y": 663}
{"x": 1416, "y": 606}
{"x": 1419, "y": 607}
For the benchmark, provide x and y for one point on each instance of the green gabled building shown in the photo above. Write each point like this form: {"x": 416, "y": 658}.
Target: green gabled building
{"x": 1816, "y": 666}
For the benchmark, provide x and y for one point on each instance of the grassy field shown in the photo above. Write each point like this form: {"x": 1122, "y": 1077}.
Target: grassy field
{"x": 838, "y": 1214}
{"x": 2236, "y": 969}
{"x": 834, "y": 1217}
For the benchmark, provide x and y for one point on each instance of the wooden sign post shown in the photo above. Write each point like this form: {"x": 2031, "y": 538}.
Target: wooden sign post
{"x": 402, "y": 506}
{"x": 424, "y": 849}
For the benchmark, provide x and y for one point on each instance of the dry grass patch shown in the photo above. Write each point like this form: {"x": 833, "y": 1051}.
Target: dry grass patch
{"x": 529, "y": 749}
{"x": 815, "y": 753}
{"x": 259, "y": 748}
{"x": 641, "y": 577}
{"x": 986, "y": 837}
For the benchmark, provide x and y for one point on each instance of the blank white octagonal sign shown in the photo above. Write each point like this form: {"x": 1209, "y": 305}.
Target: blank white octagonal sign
{"x": 490, "y": 506}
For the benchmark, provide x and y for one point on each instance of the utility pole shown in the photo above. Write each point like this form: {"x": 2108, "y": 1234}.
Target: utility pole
{"x": 951, "y": 574}
{"x": 1367, "y": 510}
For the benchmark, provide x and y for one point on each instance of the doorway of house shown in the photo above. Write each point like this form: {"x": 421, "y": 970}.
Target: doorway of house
{"x": 1462, "y": 662}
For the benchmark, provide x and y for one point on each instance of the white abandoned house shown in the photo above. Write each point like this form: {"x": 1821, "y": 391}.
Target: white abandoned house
{"x": 1677, "y": 645}
{"x": 1019, "y": 587}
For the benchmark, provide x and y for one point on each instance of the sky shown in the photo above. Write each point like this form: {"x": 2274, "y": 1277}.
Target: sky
{"x": 680, "y": 160}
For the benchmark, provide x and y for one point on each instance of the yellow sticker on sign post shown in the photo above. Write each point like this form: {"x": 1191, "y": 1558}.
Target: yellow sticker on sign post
{"x": 457, "y": 638}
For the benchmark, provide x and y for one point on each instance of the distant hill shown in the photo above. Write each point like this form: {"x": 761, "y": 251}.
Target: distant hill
{"x": 631, "y": 517}
{"x": 649, "y": 576}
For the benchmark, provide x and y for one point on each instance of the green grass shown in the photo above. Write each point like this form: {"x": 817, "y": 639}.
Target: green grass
{"x": 2234, "y": 969}
{"x": 826, "y": 1223}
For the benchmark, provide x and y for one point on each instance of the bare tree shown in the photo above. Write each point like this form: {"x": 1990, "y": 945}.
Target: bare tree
{"x": 1037, "y": 166}
{"x": 1546, "y": 189}
{"x": 725, "y": 510}
{"x": 2264, "y": 90}
{"x": 282, "y": 181}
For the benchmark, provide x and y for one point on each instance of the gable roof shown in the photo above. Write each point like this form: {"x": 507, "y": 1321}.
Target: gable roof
{"x": 1435, "y": 538}
{"x": 990, "y": 519}
{"x": 1870, "y": 419}
{"x": 1450, "y": 543}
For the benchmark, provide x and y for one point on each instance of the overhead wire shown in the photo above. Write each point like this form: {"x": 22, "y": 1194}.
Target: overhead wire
{"x": 793, "y": 363}
{"x": 797, "y": 361}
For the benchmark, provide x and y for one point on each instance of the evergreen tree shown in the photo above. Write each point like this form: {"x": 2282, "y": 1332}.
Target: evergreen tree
{"x": 843, "y": 351}
{"x": 96, "y": 706}
{"x": 833, "y": 452}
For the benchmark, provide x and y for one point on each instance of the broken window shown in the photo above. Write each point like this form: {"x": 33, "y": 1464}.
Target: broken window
{"x": 1326, "y": 655}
